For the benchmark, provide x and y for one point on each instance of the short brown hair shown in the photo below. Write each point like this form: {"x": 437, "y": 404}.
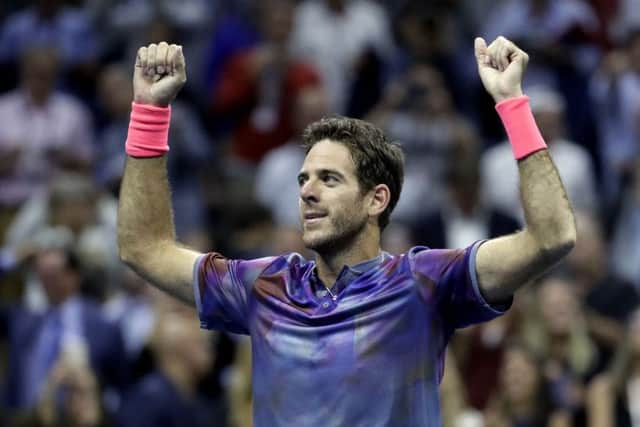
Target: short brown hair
{"x": 377, "y": 159}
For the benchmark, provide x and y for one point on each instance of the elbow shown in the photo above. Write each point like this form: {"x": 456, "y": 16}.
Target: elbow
{"x": 136, "y": 253}
{"x": 560, "y": 243}
{"x": 126, "y": 254}
{"x": 130, "y": 252}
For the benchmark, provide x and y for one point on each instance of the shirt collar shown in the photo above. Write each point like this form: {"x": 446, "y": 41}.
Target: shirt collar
{"x": 347, "y": 275}
{"x": 363, "y": 266}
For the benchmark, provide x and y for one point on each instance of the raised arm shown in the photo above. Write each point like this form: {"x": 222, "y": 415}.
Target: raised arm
{"x": 146, "y": 234}
{"x": 506, "y": 263}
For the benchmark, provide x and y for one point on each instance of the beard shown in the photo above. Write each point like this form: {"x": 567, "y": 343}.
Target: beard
{"x": 343, "y": 231}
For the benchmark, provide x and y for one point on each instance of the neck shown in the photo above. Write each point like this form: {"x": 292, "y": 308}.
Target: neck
{"x": 364, "y": 246}
{"x": 38, "y": 99}
{"x": 179, "y": 376}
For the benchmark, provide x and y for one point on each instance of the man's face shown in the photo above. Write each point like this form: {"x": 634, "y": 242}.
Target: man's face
{"x": 332, "y": 206}
{"x": 58, "y": 281}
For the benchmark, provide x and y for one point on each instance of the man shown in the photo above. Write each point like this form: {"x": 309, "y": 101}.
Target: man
{"x": 356, "y": 337}
{"x": 72, "y": 325}
{"x": 168, "y": 396}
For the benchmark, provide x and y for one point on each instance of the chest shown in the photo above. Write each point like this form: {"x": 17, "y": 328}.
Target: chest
{"x": 373, "y": 319}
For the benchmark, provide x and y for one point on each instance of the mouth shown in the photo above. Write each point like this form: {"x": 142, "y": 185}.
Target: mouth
{"x": 313, "y": 217}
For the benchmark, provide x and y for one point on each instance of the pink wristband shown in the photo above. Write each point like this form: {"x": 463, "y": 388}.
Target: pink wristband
{"x": 148, "y": 130}
{"x": 521, "y": 127}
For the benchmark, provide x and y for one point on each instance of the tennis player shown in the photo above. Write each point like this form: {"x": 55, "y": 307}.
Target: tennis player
{"x": 355, "y": 337}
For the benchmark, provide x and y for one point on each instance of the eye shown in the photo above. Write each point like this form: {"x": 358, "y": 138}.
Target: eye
{"x": 301, "y": 180}
{"x": 330, "y": 179}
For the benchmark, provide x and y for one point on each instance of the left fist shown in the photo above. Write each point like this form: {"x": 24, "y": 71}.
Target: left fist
{"x": 501, "y": 66}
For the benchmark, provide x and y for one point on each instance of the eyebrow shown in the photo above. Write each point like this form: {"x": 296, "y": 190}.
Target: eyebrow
{"x": 304, "y": 174}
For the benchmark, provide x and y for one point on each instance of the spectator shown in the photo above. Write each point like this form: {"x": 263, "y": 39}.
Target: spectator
{"x": 126, "y": 24}
{"x": 433, "y": 33}
{"x": 480, "y": 353}
{"x": 71, "y": 324}
{"x": 417, "y": 110}
{"x": 556, "y": 32}
{"x": 463, "y": 216}
{"x": 561, "y": 336}
{"x": 276, "y": 186}
{"x": 236, "y": 30}
{"x": 626, "y": 20}
{"x": 343, "y": 39}
{"x": 522, "y": 398}
{"x": 500, "y": 174}
{"x": 625, "y": 247}
{"x": 258, "y": 86}
{"x": 131, "y": 308}
{"x": 50, "y": 23}
{"x": 615, "y": 90}
{"x": 43, "y": 130}
{"x": 169, "y": 396}
{"x": 70, "y": 398}
{"x": 76, "y": 206}
{"x": 614, "y": 395}
{"x": 607, "y": 298}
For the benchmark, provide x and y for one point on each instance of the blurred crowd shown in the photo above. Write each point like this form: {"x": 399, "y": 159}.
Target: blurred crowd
{"x": 85, "y": 342}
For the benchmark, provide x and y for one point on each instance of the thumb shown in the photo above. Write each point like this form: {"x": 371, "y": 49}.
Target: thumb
{"x": 480, "y": 47}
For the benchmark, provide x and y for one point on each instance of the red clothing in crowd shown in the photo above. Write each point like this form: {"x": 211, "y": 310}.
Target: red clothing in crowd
{"x": 260, "y": 125}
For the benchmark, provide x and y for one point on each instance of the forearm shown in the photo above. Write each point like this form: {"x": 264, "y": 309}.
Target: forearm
{"x": 506, "y": 263}
{"x": 146, "y": 234}
{"x": 145, "y": 217}
{"x": 548, "y": 215}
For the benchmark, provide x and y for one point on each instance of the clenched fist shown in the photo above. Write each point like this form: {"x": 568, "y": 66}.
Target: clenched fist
{"x": 501, "y": 66}
{"x": 159, "y": 74}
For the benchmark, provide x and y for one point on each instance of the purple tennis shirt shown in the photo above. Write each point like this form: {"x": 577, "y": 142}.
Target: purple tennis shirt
{"x": 368, "y": 354}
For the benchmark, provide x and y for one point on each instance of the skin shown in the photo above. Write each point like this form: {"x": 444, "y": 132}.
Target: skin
{"x": 348, "y": 232}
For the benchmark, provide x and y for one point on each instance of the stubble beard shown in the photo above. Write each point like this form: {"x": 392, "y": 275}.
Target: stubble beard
{"x": 342, "y": 235}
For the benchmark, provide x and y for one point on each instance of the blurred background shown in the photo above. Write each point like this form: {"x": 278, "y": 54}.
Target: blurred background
{"x": 84, "y": 342}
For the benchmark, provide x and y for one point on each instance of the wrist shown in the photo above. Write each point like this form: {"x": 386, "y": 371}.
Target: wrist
{"x": 501, "y": 97}
{"x": 145, "y": 102}
{"x": 521, "y": 128}
{"x": 148, "y": 130}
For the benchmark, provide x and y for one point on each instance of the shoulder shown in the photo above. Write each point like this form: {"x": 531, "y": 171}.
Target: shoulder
{"x": 292, "y": 261}
{"x": 270, "y": 265}
{"x": 430, "y": 262}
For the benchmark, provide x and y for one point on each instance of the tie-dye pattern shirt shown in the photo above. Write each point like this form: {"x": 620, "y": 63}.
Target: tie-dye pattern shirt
{"x": 372, "y": 356}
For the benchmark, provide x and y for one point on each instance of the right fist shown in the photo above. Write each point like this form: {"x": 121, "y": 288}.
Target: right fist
{"x": 159, "y": 74}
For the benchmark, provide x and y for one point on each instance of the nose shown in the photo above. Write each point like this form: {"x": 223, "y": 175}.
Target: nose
{"x": 308, "y": 192}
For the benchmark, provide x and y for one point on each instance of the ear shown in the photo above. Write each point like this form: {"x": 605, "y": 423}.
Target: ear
{"x": 380, "y": 197}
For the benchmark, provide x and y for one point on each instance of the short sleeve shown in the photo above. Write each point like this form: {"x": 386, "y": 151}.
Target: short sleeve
{"x": 451, "y": 275}
{"x": 222, "y": 289}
